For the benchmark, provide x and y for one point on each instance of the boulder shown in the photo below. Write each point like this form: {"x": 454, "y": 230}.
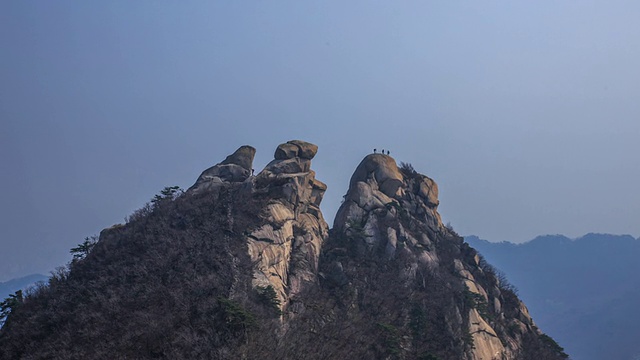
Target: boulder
{"x": 235, "y": 168}
{"x": 286, "y": 151}
{"x": 429, "y": 192}
{"x": 383, "y": 170}
{"x": 242, "y": 157}
{"x": 296, "y": 148}
{"x": 288, "y": 166}
{"x": 305, "y": 150}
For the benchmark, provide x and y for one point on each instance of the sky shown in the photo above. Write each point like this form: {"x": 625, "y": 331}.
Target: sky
{"x": 525, "y": 113}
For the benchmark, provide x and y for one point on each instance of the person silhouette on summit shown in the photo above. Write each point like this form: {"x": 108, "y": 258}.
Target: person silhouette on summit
{"x": 375, "y": 151}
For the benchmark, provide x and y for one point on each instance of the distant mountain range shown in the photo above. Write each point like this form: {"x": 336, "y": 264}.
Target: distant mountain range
{"x": 11, "y": 286}
{"x": 584, "y": 292}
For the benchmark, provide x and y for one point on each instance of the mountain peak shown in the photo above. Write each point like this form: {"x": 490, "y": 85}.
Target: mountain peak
{"x": 245, "y": 266}
{"x": 236, "y": 167}
{"x": 378, "y": 183}
{"x": 285, "y": 249}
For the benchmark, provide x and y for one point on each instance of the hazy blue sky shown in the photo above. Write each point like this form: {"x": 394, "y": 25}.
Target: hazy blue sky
{"x": 524, "y": 112}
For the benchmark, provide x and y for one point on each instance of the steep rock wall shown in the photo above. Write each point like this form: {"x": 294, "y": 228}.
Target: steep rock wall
{"x": 391, "y": 213}
{"x": 285, "y": 250}
{"x": 286, "y": 246}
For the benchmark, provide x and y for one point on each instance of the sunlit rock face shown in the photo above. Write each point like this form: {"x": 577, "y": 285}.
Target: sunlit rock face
{"x": 379, "y": 191}
{"x": 248, "y": 268}
{"x": 285, "y": 250}
{"x": 391, "y": 213}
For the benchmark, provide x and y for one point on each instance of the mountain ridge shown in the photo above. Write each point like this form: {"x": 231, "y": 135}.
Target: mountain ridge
{"x": 244, "y": 266}
{"x": 583, "y": 291}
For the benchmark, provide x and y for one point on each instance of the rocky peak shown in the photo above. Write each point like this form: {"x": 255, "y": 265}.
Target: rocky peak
{"x": 379, "y": 188}
{"x": 380, "y": 171}
{"x": 286, "y": 248}
{"x": 388, "y": 282}
{"x": 235, "y": 168}
{"x": 389, "y": 215}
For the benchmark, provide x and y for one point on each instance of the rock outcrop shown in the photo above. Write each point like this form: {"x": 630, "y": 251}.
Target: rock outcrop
{"x": 244, "y": 266}
{"x": 379, "y": 191}
{"x": 237, "y": 167}
{"x": 285, "y": 250}
{"x": 391, "y": 214}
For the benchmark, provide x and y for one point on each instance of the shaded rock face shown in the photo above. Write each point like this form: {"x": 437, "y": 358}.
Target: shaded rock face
{"x": 390, "y": 214}
{"x": 237, "y": 167}
{"x": 285, "y": 248}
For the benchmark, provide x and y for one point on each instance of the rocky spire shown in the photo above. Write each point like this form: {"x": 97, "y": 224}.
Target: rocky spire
{"x": 285, "y": 250}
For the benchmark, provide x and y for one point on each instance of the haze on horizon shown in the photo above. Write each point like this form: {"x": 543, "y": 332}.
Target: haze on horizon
{"x": 525, "y": 114}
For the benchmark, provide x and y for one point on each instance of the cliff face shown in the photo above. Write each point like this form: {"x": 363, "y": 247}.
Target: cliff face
{"x": 245, "y": 266}
{"x": 285, "y": 247}
{"x": 390, "y": 215}
{"x": 285, "y": 250}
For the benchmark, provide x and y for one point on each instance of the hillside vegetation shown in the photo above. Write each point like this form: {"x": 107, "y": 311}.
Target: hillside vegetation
{"x": 243, "y": 266}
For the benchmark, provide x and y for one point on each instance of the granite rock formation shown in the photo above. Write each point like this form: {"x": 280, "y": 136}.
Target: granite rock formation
{"x": 244, "y": 266}
{"x": 391, "y": 214}
{"x": 237, "y": 167}
{"x": 286, "y": 248}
